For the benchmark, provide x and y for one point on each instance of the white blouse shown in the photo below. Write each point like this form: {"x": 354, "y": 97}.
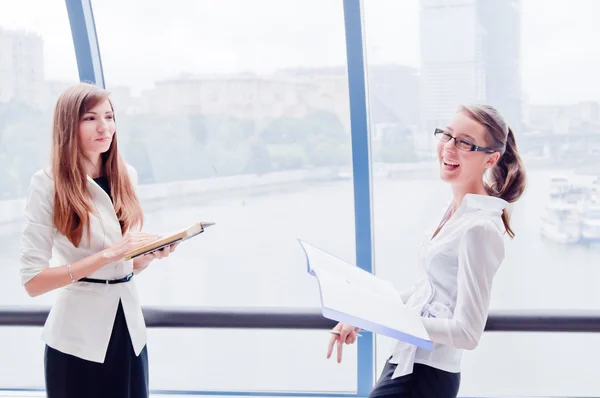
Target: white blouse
{"x": 453, "y": 295}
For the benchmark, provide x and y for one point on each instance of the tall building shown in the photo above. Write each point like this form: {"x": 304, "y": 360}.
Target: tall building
{"x": 21, "y": 67}
{"x": 393, "y": 94}
{"x": 500, "y": 28}
{"x": 469, "y": 53}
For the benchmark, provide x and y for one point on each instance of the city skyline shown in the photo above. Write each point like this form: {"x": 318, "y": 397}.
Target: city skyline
{"x": 549, "y": 34}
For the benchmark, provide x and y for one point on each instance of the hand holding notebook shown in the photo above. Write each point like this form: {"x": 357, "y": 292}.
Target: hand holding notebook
{"x": 169, "y": 240}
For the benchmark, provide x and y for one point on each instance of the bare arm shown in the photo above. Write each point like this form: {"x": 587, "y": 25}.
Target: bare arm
{"x": 37, "y": 241}
{"x": 57, "y": 277}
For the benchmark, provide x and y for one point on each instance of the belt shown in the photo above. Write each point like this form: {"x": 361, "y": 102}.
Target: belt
{"x": 107, "y": 281}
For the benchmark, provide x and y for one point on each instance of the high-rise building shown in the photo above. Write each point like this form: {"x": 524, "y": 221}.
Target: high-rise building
{"x": 500, "y": 29}
{"x": 21, "y": 66}
{"x": 469, "y": 54}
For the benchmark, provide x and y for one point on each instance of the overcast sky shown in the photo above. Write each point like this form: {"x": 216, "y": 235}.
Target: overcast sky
{"x": 142, "y": 42}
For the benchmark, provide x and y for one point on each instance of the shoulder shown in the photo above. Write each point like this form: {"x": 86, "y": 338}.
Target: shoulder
{"x": 41, "y": 191}
{"x": 42, "y": 180}
{"x": 485, "y": 227}
{"x": 132, "y": 172}
{"x": 483, "y": 240}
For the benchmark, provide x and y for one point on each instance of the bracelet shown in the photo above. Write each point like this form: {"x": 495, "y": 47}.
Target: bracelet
{"x": 70, "y": 273}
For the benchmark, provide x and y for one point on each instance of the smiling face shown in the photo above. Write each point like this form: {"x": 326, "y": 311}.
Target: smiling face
{"x": 96, "y": 130}
{"x": 459, "y": 167}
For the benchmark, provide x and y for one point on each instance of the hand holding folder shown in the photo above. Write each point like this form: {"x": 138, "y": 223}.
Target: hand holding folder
{"x": 180, "y": 236}
{"x": 355, "y": 297}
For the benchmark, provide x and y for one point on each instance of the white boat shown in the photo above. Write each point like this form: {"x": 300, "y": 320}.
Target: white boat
{"x": 559, "y": 185}
{"x": 574, "y": 195}
{"x": 590, "y": 224}
{"x": 594, "y": 192}
{"x": 561, "y": 223}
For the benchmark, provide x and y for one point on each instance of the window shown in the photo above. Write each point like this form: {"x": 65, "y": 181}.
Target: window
{"x": 37, "y": 62}
{"x": 426, "y": 58}
{"x": 236, "y": 112}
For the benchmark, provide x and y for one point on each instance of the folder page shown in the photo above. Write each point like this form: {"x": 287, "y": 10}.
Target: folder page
{"x": 351, "y": 295}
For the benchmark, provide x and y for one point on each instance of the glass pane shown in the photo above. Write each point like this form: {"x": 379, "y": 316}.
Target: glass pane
{"x": 204, "y": 359}
{"x": 236, "y": 112}
{"x": 529, "y": 365}
{"x": 247, "y": 360}
{"x": 504, "y": 365}
{"x": 532, "y": 364}
{"x": 22, "y": 362}
{"x": 424, "y": 58}
{"x": 37, "y": 62}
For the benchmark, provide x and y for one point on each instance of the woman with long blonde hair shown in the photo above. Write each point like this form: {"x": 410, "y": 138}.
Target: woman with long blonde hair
{"x": 83, "y": 212}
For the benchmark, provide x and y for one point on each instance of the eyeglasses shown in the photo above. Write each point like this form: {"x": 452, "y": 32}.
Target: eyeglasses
{"x": 460, "y": 143}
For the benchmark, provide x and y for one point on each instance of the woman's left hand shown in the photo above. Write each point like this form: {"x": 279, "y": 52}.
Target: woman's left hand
{"x": 162, "y": 253}
{"x": 142, "y": 262}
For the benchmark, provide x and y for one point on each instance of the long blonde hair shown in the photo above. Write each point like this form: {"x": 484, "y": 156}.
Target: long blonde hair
{"x": 71, "y": 196}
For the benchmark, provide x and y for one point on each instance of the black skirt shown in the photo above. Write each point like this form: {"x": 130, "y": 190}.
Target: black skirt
{"x": 122, "y": 375}
{"x": 424, "y": 382}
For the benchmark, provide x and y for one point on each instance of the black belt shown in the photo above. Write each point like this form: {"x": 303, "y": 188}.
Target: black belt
{"x": 108, "y": 281}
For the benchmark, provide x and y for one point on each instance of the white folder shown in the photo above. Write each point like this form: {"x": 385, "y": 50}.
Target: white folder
{"x": 353, "y": 296}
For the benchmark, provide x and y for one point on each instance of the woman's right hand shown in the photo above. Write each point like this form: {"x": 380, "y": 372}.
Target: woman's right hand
{"x": 343, "y": 334}
{"x": 130, "y": 241}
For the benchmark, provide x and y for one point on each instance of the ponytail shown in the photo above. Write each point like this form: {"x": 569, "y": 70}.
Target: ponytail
{"x": 508, "y": 178}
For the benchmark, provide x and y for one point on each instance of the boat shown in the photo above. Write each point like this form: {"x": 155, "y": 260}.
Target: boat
{"x": 593, "y": 194}
{"x": 560, "y": 223}
{"x": 590, "y": 224}
{"x": 559, "y": 185}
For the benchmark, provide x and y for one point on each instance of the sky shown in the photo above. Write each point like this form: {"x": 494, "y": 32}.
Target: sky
{"x": 142, "y": 42}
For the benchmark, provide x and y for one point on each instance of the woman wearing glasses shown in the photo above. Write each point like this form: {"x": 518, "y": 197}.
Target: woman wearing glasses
{"x": 478, "y": 157}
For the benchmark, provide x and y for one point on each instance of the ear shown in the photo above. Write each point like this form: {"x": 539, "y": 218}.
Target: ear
{"x": 492, "y": 160}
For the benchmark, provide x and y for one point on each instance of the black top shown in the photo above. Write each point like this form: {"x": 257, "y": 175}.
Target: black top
{"x": 104, "y": 184}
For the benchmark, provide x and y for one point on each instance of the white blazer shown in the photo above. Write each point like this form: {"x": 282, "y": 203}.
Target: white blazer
{"x": 81, "y": 320}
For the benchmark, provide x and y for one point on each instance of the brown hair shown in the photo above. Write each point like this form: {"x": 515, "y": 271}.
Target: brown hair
{"x": 508, "y": 178}
{"x": 71, "y": 196}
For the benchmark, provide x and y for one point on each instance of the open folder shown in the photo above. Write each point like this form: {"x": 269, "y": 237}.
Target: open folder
{"x": 356, "y": 297}
{"x": 179, "y": 236}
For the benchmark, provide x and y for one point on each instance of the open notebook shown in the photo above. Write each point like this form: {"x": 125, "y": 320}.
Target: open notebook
{"x": 351, "y": 295}
{"x": 180, "y": 236}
